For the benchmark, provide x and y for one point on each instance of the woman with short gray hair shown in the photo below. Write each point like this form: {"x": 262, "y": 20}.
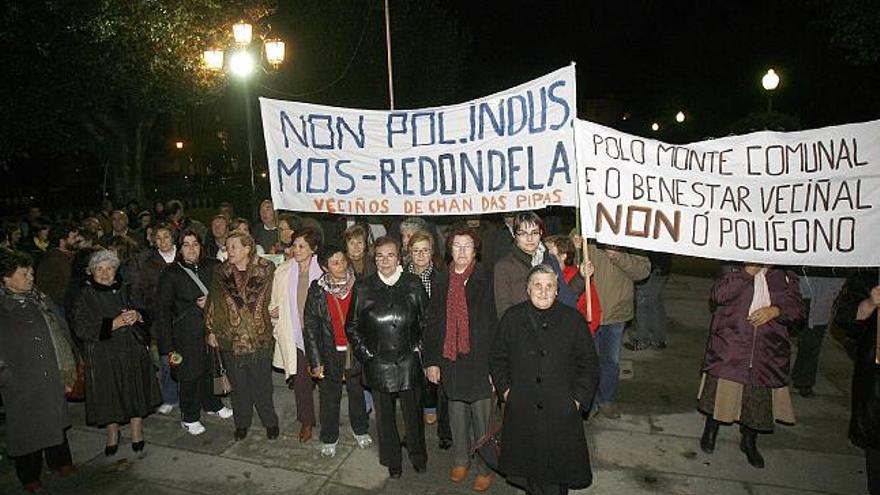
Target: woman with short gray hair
{"x": 120, "y": 383}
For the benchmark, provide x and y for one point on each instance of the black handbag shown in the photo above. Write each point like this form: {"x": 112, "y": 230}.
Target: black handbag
{"x": 488, "y": 447}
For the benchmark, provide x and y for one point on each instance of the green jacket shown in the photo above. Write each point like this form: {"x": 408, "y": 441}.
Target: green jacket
{"x": 614, "y": 281}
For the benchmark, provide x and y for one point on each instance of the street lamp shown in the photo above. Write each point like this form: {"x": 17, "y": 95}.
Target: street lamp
{"x": 770, "y": 82}
{"x": 242, "y": 63}
{"x": 655, "y": 127}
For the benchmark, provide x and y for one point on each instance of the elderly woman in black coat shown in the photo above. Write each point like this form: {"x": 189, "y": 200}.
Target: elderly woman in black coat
{"x": 37, "y": 367}
{"x": 857, "y": 314}
{"x": 120, "y": 381}
{"x": 543, "y": 363}
{"x": 385, "y": 325}
{"x": 457, "y": 349}
{"x": 183, "y": 290}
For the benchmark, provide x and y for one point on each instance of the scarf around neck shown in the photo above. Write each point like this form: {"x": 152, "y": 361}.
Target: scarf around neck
{"x": 338, "y": 289}
{"x": 761, "y": 297}
{"x": 538, "y": 256}
{"x": 458, "y": 333}
{"x": 425, "y": 276}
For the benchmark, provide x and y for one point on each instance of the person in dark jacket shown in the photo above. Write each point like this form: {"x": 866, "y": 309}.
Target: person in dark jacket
{"x": 422, "y": 265}
{"x": 457, "y": 349}
{"x": 120, "y": 381}
{"x": 544, "y": 364}
{"x": 37, "y": 367}
{"x": 333, "y": 363}
{"x": 650, "y": 329}
{"x": 53, "y": 276}
{"x": 512, "y": 270}
{"x": 857, "y": 314}
{"x": 183, "y": 290}
{"x": 154, "y": 262}
{"x": 746, "y": 364}
{"x": 386, "y": 322}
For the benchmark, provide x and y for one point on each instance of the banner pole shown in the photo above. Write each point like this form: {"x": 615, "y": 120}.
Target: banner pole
{"x": 388, "y": 51}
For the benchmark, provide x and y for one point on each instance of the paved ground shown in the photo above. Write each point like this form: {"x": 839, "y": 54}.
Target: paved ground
{"x": 652, "y": 449}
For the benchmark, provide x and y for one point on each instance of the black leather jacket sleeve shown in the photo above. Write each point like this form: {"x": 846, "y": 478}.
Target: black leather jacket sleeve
{"x": 314, "y": 315}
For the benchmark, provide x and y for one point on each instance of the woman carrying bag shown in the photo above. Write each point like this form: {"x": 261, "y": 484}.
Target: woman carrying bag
{"x": 183, "y": 291}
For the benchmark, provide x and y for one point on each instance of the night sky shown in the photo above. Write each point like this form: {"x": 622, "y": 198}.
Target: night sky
{"x": 652, "y": 58}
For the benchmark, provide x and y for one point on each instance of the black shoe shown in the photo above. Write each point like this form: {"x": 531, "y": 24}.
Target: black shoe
{"x": 395, "y": 472}
{"x": 420, "y": 468}
{"x": 805, "y": 391}
{"x": 749, "y": 446}
{"x": 445, "y": 443}
{"x": 272, "y": 432}
{"x": 110, "y": 450}
{"x": 637, "y": 345}
{"x": 137, "y": 446}
{"x": 240, "y": 434}
{"x": 710, "y": 433}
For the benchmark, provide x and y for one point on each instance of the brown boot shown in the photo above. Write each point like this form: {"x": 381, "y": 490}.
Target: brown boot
{"x": 305, "y": 433}
{"x": 482, "y": 483}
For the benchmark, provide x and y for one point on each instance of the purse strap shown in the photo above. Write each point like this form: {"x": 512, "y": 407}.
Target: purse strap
{"x": 221, "y": 367}
{"x": 194, "y": 278}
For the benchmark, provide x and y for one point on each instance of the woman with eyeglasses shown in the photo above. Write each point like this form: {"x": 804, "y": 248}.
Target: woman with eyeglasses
{"x": 512, "y": 270}
{"x": 421, "y": 250}
{"x": 386, "y": 322}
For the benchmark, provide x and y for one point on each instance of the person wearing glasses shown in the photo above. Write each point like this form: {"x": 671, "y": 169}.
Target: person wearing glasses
{"x": 385, "y": 324}
{"x": 421, "y": 250}
{"x": 512, "y": 270}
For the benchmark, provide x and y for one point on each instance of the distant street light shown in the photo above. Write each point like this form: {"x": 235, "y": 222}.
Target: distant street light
{"x": 178, "y": 145}
{"x": 679, "y": 117}
{"x": 770, "y": 82}
{"x": 655, "y": 127}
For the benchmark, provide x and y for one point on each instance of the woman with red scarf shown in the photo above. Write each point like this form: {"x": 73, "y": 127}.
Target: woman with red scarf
{"x": 563, "y": 249}
{"x": 457, "y": 349}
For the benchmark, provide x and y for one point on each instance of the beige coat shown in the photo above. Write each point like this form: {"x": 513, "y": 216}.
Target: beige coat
{"x": 614, "y": 281}
{"x": 285, "y": 349}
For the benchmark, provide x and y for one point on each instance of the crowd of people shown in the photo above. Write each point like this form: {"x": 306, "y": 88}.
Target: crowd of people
{"x": 443, "y": 322}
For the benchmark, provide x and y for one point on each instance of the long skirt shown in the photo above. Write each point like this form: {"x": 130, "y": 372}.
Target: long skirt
{"x": 750, "y": 405}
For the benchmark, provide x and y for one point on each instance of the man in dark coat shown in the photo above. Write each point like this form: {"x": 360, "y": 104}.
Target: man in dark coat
{"x": 385, "y": 325}
{"x": 36, "y": 369}
{"x": 53, "y": 276}
{"x": 857, "y": 314}
{"x": 543, "y": 362}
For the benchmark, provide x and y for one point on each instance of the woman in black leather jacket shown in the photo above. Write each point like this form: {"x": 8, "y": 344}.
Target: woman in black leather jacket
{"x": 332, "y": 360}
{"x": 388, "y": 317}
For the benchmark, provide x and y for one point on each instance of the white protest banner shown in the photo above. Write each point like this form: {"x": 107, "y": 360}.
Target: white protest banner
{"x": 798, "y": 198}
{"x": 510, "y": 151}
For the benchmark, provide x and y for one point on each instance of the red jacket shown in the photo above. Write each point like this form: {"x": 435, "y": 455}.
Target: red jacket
{"x": 568, "y": 273}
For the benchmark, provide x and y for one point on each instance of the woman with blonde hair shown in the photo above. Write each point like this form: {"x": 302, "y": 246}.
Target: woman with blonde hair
{"x": 238, "y": 322}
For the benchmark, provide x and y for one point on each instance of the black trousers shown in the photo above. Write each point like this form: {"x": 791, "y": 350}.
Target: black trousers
{"x": 435, "y": 398}
{"x": 251, "y": 378}
{"x": 29, "y": 466}
{"x": 196, "y": 395}
{"x": 330, "y": 395}
{"x": 386, "y": 427}
{"x": 872, "y": 463}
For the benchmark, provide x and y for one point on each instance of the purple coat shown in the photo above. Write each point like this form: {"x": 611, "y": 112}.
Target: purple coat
{"x": 737, "y": 351}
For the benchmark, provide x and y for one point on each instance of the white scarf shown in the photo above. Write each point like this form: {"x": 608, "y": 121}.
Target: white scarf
{"x": 761, "y": 298}
{"x": 538, "y": 256}
{"x": 389, "y": 281}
